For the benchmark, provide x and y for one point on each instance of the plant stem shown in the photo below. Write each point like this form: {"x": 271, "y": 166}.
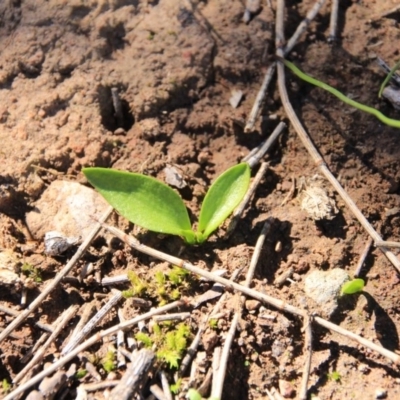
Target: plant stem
{"x": 388, "y": 121}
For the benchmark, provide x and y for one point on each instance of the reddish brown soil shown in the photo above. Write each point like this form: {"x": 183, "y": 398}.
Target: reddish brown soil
{"x": 174, "y": 64}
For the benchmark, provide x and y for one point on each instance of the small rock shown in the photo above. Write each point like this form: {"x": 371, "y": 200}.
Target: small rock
{"x": 380, "y": 393}
{"x": 235, "y": 98}
{"x": 324, "y": 288}
{"x": 286, "y": 389}
{"x": 209, "y": 339}
{"x": 66, "y": 207}
{"x": 174, "y": 178}
{"x": 9, "y": 266}
{"x": 56, "y": 243}
{"x": 252, "y": 305}
{"x": 363, "y": 368}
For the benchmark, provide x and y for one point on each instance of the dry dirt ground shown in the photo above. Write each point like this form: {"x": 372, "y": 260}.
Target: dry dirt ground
{"x": 174, "y": 64}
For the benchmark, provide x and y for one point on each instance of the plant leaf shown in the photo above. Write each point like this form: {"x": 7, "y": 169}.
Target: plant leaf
{"x": 353, "y": 286}
{"x": 143, "y": 200}
{"x": 222, "y": 197}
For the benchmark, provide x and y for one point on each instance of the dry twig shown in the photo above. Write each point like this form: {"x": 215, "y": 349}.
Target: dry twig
{"x": 218, "y": 380}
{"x": 303, "y": 26}
{"x": 90, "y": 342}
{"x": 279, "y": 304}
{"x": 362, "y": 258}
{"x": 49, "y": 288}
{"x": 334, "y": 21}
{"x": 134, "y": 375}
{"x": 308, "y": 354}
{"x": 75, "y": 340}
{"x": 318, "y": 160}
{"x": 59, "y": 325}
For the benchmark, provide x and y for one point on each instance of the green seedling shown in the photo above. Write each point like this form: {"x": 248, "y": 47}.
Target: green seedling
{"x": 108, "y": 362}
{"x": 388, "y": 121}
{"x": 387, "y": 79}
{"x": 170, "y": 344}
{"x": 176, "y": 387}
{"x": 335, "y": 376}
{"x": 352, "y": 287}
{"x": 6, "y": 386}
{"x": 81, "y": 373}
{"x": 31, "y": 272}
{"x": 151, "y": 204}
{"x": 213, "y": 323}
{"x": 163, "y": 286}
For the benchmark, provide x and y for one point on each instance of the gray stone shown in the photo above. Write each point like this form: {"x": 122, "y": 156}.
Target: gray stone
{"x": 66, "y": 207}
{"x": 324, "y": 288}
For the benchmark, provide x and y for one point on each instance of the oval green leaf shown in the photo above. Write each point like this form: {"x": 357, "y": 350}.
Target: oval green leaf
{"x": 222, "y": 198}
{"x": 143, "y": 200}
{"x": 353, "y": 286}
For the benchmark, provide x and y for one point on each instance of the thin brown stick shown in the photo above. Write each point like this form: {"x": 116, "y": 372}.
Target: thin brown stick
{"x": 255, "y": 111}
{"x": 10, "y": 311}
{"x": 387, "y": 243}
{"x": 50, "y": 287}
{"x": 95, "y": 386}
{"x": 386, "y": 13}
{"x": 308, "y": 355}
{"x": 363, "y": 257}
{"x": 75, "y": 340}
{"x": 218, "y": 381}
{"x": 303, "y": 26}
{"x": 240, "y": 208}
{"x": 318, "y": 160}
{"x": 279, "y": 304}
{"x": 134, "y": 375}
{"x": 88, "y": 343}
{"x": 58, "y": 327}
{"x": 333, "y": 21}
{"x": 196, "y": 341}
{"x": 254, "y": 157}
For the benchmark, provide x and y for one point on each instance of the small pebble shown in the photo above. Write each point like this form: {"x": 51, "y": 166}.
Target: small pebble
{"x": 252, "y": 305}
{"x": 286, "y": 389}
{"x": 380, "y": 393}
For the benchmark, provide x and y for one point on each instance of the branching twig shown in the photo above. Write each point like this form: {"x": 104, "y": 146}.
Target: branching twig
{"x": 279, "y": 304}
{"x": 255, "y": 111}
{"x": 318, "y": 160}
{"x": 49, "y": 288}
{"x": 14, "y": 313}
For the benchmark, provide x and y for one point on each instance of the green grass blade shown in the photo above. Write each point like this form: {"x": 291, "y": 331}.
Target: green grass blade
{"x": 222, "y": 198}
{"x": 388, "y": 121}
{"x": 387, "y": 79}
{"x": 143, "y": 200}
